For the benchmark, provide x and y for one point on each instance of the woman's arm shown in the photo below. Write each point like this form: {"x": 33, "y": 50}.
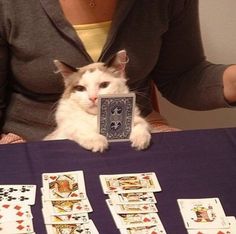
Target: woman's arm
{"x": 182, "y": 74}
{"x": 229, "y": 81}
{"x": 4, "y": 62}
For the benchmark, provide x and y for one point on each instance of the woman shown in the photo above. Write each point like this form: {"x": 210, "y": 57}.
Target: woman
{"x": 162, "y": 39}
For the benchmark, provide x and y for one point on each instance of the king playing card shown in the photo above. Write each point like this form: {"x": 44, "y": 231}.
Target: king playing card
{"x": 203, "y": 213}
{"x": 124, "y": 183}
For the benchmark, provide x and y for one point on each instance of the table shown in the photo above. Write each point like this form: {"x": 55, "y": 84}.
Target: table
{"x": 188, "y": 164}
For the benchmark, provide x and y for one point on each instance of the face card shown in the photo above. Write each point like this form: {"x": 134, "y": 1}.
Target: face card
{"x": 155, "y": 229}
{"x": 132, "y": 198}
{"x": 84, "y": 228}
{"x": 64, "y": 185}
{"x": 133, "y": 220}
{"x": 203, "y": 213}
{"x": 65, "y": 219}
{"x": 18, "y": 193}
{"x": 230, "y": 230}
{"x": 136, "y": 220}
{"x": 13, "y": 211}
{"x": 18, "y": 227}
{"x": 134, "y": 208}
{"x": 67, "y": 206}
{"x": 115, "y": 116}
{"x": 124, "y": 183}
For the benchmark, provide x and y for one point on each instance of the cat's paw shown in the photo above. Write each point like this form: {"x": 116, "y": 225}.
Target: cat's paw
{"x": 95, "y": 143}
{"x": 140, "y": 138}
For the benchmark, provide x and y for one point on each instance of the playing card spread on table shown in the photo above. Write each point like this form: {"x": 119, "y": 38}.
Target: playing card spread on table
{"x": 132, "y": 198}
{"x": 84, "y": 228}
{"x": 115, "y": 116}
{"x": 134, "y": 208}
{"x": 133, "y": 219}
{"x": 62, "y": 219}
{"x": 136, "y": 182}
{"x": 155, "y": 229}
{"x": 18, "y": 193}
{"x": 17, "y": 227}
{"x": 230, "y": 230}
{"x": 67, "y": 206}
{"x": 64, "y": 185}
{"x": 203, "y": 213}
{"x": 14, "y": 211}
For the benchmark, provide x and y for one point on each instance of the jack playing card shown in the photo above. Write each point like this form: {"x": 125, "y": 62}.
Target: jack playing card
{"x": 203, "y": 213}
{"x": 123, "y": 183}
{"x": 115, "y": 116}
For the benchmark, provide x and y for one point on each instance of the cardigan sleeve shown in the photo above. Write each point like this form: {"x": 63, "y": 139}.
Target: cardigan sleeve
{"x": 182, "y": 74}
{"x": 3, "y": 76}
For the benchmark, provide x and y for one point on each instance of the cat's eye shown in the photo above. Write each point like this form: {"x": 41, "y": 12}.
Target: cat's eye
{"x": 80, "y": 88}
{"x": 104, "y": 84}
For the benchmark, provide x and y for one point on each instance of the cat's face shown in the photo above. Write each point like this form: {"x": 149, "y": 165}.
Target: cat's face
{"x": 84, "y": 85}
{"x": 90, "y": 82}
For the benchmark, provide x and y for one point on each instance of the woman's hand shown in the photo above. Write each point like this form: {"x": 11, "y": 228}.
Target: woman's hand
{"x": 229, "y": 82}
{"x": 10, "y": 138}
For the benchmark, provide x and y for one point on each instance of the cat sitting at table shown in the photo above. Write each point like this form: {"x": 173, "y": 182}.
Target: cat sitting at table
{"x": 76, "y": 113}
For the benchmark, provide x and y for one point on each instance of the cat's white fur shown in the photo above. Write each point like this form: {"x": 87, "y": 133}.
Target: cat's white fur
{"x": 76, "y": 114}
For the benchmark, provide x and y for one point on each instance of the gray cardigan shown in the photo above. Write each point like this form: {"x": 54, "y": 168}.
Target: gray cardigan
{"x": 163, "y": 42}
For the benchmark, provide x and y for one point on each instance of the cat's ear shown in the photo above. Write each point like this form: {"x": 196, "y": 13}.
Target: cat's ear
{"x": 65, "y": 69}
{"x": 118, "y": 61}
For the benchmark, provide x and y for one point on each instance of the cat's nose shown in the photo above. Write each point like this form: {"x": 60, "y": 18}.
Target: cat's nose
{"x": 93, "y": 98}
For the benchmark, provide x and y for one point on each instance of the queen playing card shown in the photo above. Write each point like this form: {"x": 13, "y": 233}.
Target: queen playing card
{"x": 64, "y": 185}
{"x": 203, "y": 213}
{"x": 115, "y": 116}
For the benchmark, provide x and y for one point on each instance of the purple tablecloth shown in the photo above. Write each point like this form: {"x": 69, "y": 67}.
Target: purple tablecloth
{"x": 188, "y": 164}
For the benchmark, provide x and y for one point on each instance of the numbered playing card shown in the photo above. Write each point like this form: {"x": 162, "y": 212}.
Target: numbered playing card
{"x": 67, "y": 206}
{"x": 123, "y": 183}
{"x": 14, "y": 211}
{"x": 136, "y": 198}
{"x": 203, "y": 213}
{"x": 64, "y": 185}
{"x": 115, "y": 116}
{"x": 62, "y": 219}
{"x": 19, "y": 227}
{"x": 18, "y": 193}
{"x": 85, "y": 228}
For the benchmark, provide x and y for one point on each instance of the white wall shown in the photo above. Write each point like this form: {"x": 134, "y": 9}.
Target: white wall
{"x": 218, "y": 25}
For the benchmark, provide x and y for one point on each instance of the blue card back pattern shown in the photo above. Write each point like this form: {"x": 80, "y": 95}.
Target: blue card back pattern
{"x": 115, "y": 118}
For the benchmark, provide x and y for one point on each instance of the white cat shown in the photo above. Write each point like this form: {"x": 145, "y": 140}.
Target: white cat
{"x": 76, "y": 114}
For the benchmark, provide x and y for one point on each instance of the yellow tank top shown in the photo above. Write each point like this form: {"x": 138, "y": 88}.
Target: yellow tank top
{"x": 93, "y": 37}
